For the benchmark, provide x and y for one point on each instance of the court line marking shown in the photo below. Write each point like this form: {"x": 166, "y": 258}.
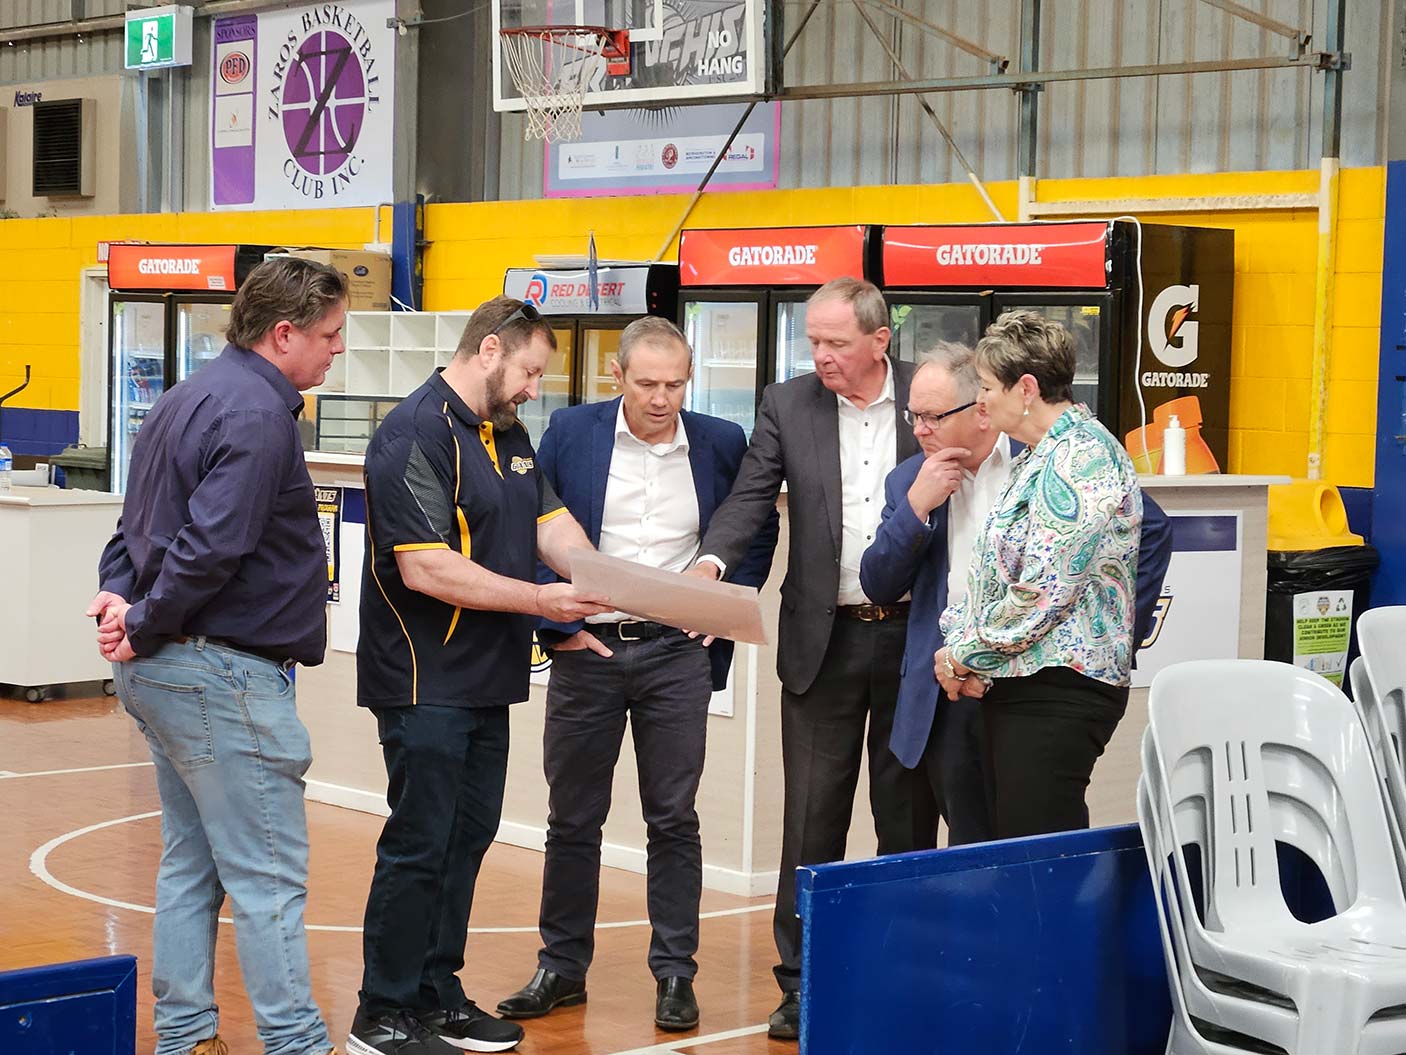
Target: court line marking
{"x": 63, "y": 772}
{"x": 681, "y": 1045}
{"x": 38, "y": 865}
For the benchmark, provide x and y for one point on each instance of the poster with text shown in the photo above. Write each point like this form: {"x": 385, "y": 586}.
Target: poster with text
{"x": 301, "y": 107}
{"x": 1198, "y": 614}
{"x": 666, "y": 151}
{"x": 329, "y": 515}
{"x": 1322, "y": 630}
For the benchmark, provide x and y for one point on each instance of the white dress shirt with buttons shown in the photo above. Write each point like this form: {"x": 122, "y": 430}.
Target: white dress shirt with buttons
{"x": 651, "y": 506}
{"x": 967, "y": 510}
{"x": 868, "y": 450}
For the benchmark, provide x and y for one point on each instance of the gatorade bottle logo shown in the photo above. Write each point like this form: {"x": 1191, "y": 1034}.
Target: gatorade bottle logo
{"x": 1171, "y": 332}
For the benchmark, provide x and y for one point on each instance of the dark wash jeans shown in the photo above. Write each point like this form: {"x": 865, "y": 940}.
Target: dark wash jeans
{"x": 447, "y": 767}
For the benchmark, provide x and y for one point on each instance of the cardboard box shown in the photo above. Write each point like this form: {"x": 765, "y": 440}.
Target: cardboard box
{"x": 368, "y": 274}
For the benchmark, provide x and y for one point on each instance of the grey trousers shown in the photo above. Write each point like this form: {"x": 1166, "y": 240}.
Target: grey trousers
{"x": 663, "y": 685}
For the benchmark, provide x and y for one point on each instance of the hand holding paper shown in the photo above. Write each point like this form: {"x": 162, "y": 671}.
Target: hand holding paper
{"x": 690, "y": 602}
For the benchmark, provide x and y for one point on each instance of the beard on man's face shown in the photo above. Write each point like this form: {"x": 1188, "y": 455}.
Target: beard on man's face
{"x": 502, "y": 410}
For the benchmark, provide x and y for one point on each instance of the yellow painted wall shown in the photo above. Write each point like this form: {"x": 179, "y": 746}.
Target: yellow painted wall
{"x": 40, "y": 261}
{"x": 472, "y": 243}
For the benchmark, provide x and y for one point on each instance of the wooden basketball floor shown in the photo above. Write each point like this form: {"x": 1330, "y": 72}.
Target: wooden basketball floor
{"x": 81, "y": 838}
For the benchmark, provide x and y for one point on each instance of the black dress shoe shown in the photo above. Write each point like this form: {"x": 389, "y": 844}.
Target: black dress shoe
{"x": 785, "y": 1021}
{"x": 546, "y": 991}
{"x": 675, "y": 1007}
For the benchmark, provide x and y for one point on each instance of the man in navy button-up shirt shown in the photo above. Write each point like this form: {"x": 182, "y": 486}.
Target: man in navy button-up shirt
{"x": 212, "y": 587}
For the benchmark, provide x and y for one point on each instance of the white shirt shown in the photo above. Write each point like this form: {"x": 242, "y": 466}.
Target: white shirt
{"x": 651, "y": 506}
{"x": 967, "y": 510}
{"x": 868, "y": 449}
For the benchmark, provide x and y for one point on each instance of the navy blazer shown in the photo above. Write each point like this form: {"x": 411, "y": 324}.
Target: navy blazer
{"x": 574, "y": 455}
{"x": 910, "y": 556}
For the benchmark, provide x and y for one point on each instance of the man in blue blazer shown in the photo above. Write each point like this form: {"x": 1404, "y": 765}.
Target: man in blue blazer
{"x": 935, "y": 505}
{"x": 643, "y": 477}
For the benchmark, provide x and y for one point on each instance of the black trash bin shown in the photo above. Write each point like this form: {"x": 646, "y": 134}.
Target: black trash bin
{"x": 1315, "y": 598}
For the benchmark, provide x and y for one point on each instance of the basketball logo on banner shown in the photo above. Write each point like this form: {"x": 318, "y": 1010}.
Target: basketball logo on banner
{"x": 325, "y": 85}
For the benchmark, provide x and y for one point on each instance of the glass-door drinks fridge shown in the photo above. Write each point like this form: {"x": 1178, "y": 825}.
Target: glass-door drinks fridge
{"x": 743, "y": 307}
{"x": 1149, "y": 308}
{"x": 169, "y": 308}
{"x": 588, "y": 331}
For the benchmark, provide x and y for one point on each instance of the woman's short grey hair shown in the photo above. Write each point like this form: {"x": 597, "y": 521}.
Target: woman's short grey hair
{"x": 284, "y": 289}
{"x": 1025, "y": 342}
{"x": 870, "y": 309}
{"x": 650, "y": 329}
{"x": 960, "y": 363}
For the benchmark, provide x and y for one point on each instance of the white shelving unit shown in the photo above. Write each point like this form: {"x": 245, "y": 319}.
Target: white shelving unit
{"x": 390, "y": 353}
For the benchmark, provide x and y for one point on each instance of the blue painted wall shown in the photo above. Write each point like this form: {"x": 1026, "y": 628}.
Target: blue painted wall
{"x": 38, "y": 432}
{"x": 1389, "y": 492}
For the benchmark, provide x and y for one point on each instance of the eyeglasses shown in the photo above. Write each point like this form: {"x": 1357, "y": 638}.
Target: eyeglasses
{"x": 932, "y": 421}
{"x": 527, "y": 311}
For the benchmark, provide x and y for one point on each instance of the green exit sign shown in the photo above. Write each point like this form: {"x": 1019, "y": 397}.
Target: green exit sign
{"x": 158, "y": 37}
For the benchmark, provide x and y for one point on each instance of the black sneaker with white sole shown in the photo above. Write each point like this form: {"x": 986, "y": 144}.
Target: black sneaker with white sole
{"x": 397, "y": 1033}
{"x": 470, "y": 1028}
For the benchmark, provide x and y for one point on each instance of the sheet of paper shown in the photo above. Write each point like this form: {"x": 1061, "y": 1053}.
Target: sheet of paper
{"x": 685, "y": 601}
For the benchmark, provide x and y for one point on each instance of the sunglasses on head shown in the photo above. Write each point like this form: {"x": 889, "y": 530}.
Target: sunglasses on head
{"x": 527, "y": 311}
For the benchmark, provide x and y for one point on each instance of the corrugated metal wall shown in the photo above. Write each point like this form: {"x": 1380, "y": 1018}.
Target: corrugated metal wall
{"x": 94, "y": 55}
{"x": 1130, "y": 126}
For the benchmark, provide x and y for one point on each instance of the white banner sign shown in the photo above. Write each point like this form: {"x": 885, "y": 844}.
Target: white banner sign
{"x": 301, "y": 109}
{"x": 1198, "y": 614}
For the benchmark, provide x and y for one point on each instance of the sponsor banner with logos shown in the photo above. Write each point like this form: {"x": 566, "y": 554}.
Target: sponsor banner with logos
{"x": 203, "y": 267}
{"x": 783, "y": 256}
{"x": 1198, "y": 614}
{"x": 301, "y": 111}
{"x": 621, "y": 290}
{"x": 1045, "y": 255}
{"x": 638, "y": 152}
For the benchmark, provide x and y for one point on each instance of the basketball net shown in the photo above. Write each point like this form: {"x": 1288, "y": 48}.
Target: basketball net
{"x": 550, "y": 66}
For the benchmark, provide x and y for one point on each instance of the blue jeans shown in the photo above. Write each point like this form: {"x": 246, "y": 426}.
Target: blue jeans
{"x": 230, "y": 754}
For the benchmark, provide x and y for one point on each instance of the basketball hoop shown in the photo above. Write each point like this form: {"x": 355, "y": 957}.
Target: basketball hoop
{"x": 550, "y": 66}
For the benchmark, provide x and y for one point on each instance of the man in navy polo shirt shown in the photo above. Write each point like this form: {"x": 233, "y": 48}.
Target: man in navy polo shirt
{"x": 457, "y": 515}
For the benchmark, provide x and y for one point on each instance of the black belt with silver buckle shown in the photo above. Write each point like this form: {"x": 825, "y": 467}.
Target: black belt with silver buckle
{"x": 630, "y": 630}
{"x": 873, "y": 613}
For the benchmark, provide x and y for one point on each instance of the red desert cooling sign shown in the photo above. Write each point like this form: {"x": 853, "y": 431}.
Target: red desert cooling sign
{"x": 776, "y": 256}
{"x": 1043, "y": 254}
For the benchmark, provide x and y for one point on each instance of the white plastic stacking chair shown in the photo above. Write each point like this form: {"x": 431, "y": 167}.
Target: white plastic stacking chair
{"x": 1379, "y": 684}
{"x": 1269, "y": 751}
{"x": 1229, "y": 1009}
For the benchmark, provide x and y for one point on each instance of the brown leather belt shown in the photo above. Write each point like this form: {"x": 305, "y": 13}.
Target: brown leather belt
{"x": 873, "y": 613}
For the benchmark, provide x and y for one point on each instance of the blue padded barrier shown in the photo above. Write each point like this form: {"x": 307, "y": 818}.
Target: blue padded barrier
{"x": 84, "y": 1008}
{"x": 1039, "y": 946}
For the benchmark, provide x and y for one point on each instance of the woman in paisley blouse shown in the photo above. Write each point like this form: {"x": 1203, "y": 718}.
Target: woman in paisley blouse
{"x": 1045, "y": 632}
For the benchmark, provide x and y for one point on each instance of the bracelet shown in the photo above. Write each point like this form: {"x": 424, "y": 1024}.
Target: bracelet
{"x": 950, "y": 670}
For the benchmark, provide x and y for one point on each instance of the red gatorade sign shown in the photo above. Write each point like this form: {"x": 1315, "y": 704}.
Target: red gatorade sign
{"x": 772, "y": 256}
{"x": 202, "y": 267}
{"x": 1046, "y": 255}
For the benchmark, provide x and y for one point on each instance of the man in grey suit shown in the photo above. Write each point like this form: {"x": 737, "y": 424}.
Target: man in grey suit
{"x": 832, "y": 436}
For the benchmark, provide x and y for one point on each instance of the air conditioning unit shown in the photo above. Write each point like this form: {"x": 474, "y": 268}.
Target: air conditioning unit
{"x": 65, "y": 148}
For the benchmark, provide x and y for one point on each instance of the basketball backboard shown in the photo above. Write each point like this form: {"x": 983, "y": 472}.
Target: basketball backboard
{"x": 680, "y": 50}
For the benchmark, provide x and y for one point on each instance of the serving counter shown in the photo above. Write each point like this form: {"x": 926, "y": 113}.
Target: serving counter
{"x": 50, "y": 541}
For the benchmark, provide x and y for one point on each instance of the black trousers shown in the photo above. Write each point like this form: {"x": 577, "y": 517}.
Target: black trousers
{"x": 1044, "y": 733}
{"x": 954, "y": 764}
{"x": 663, "y": 685}
{"x": 447, "y": 767}
{"x": 823, "y": 734}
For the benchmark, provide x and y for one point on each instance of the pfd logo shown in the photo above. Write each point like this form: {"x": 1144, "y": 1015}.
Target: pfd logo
{"x": 536, "y": 294}
{"x": 235, "y": 68}
{"x": 520, "y": 465}
{"x": 1171, "y": 332}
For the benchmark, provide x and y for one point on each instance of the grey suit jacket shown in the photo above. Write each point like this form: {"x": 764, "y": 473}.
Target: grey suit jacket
{"x": 797, "y": 439}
